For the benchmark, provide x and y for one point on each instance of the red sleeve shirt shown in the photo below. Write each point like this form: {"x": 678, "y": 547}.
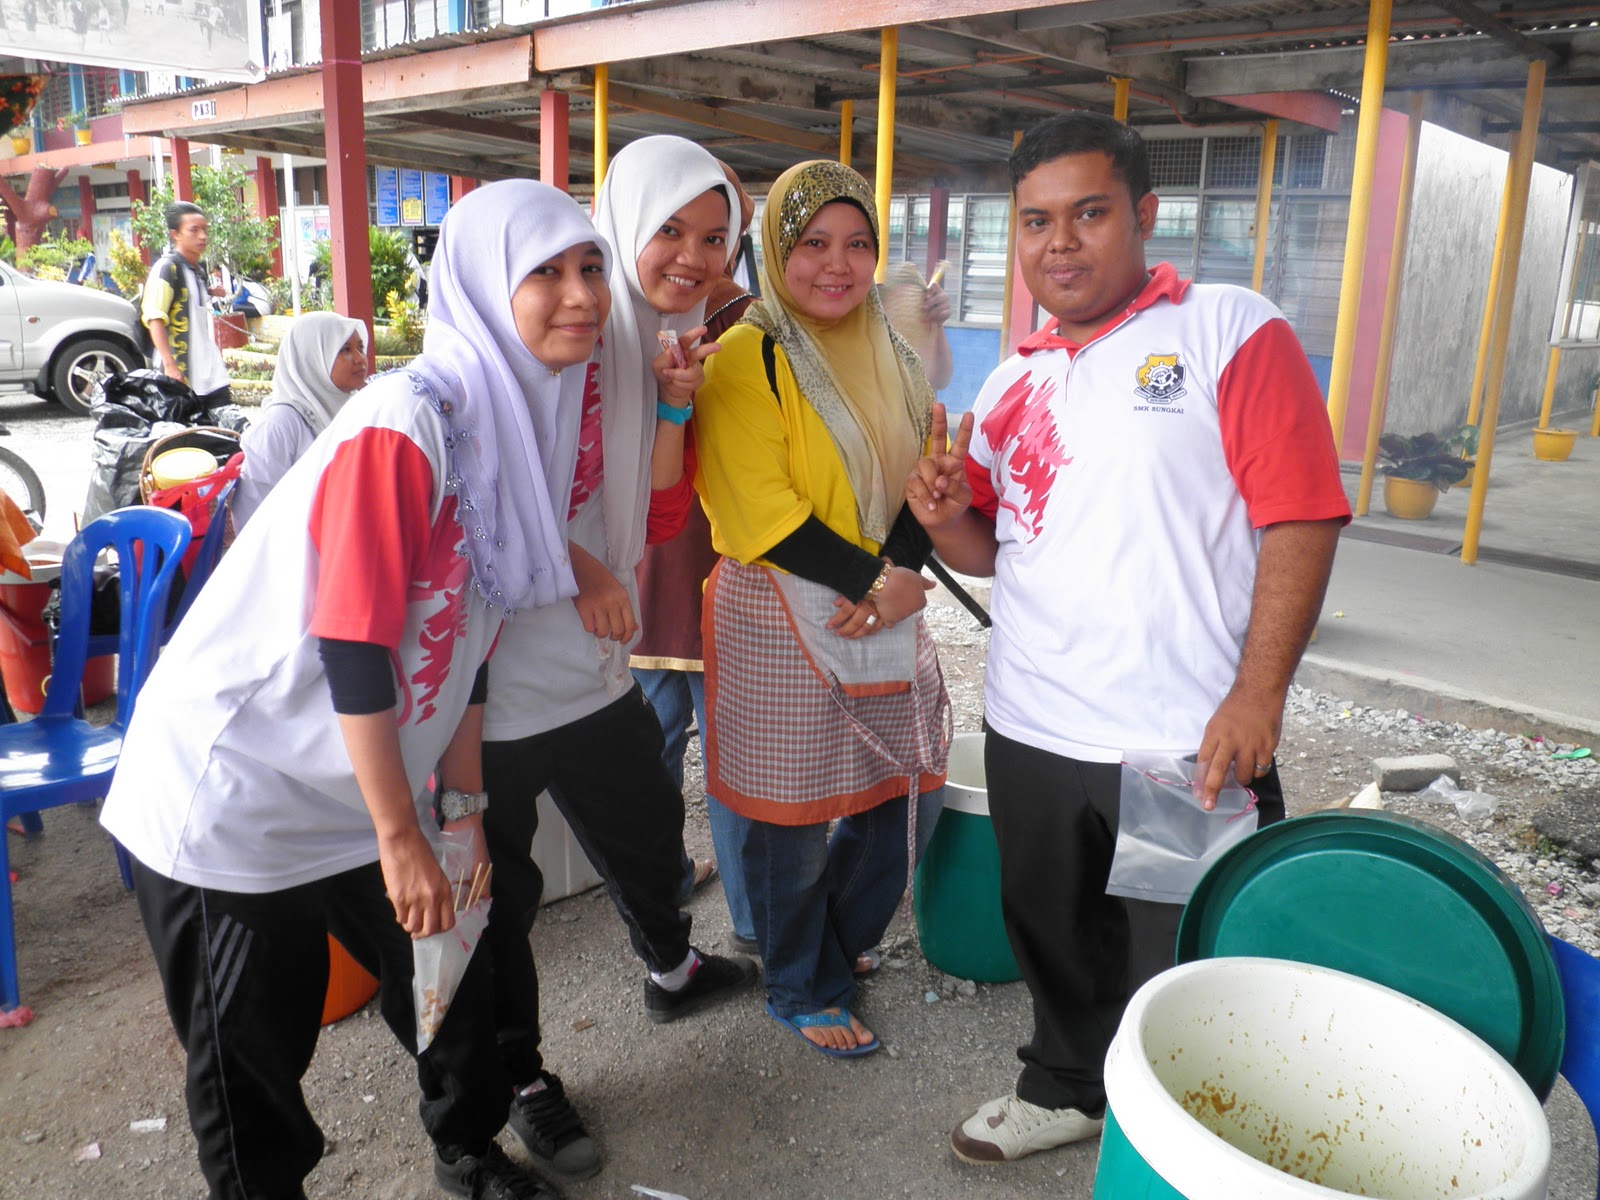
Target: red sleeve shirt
{"x": 1275, "y": 432}
{"x": 371, "y": 523}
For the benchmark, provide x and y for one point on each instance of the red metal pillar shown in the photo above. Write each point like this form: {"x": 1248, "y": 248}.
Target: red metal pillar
{"x": 267, "y": 208}
{"x": 346, "y": 153}
{"x": 85, "y": 208}
{"x": 938, "y": 228}
{"x": 138, "y": 194}
{"x": 460, "y": 185}
{"x": 182, "y": 180}
{"x": 553, "y": 143}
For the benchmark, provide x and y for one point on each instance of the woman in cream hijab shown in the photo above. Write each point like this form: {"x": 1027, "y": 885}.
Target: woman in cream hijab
{"x": 824, "y": 696}
{"x": 322, "y": 362}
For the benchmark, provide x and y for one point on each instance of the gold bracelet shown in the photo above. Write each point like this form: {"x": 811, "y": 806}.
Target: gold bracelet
{"x": 882, "y": 581}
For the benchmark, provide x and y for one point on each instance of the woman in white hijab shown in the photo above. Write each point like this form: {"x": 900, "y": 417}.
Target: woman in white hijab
{"x": 564, "y": 712}
{"x": 273, "y": 784}
{"x": 322, "y": 362}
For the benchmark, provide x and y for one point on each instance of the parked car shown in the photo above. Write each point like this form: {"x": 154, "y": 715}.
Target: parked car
{"x": 61, "y": 340}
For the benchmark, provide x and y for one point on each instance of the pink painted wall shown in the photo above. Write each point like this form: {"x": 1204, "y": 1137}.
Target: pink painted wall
{"x": 1374, "y": 280}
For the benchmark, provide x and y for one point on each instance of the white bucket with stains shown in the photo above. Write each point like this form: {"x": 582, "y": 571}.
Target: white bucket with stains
{"x": 1275, "y": 1080}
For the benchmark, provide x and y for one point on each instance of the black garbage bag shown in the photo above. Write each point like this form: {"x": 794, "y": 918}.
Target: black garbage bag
{"x": 135, "y": 410}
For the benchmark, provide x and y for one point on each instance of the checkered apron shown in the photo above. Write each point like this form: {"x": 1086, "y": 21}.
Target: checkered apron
{"x": 788, "y": 743}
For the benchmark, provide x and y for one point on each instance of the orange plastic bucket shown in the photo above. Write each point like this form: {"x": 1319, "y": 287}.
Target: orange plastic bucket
{"x": 349, "y": 984}
{"x": 25, "y": 647}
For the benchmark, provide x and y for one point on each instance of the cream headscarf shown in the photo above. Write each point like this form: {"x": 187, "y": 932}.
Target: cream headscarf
{"x": 647, "y": 182}
{"x": 863, "y": 379}
{"x": 305, "y": 358}
{"x": 512, "y": 421}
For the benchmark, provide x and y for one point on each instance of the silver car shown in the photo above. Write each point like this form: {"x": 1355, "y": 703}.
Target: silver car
{"x": 61, "y": 340}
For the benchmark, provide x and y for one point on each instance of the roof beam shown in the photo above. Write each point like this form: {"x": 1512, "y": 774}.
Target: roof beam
{"x": 724, "y": 119}
{"x": 500, "y": 131}
{"x": 1434, "y": 64}
{"x": 704, "y": 78}
{"x": 1476, "y": 19}
{"x": 652, "y": 30}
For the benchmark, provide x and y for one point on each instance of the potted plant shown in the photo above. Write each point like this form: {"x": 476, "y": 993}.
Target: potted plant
{"x": 21, "y": 139}
{"x": 78, "y": 121}
{"x": 1419, "y": 467}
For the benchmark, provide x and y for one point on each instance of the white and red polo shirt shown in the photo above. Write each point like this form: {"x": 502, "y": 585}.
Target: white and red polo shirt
{"x": 1128, "y": 478}
{"x": 234, "y": 773}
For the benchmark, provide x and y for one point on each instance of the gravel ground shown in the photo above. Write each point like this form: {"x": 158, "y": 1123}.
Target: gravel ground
{"x": 722, "y": 1105}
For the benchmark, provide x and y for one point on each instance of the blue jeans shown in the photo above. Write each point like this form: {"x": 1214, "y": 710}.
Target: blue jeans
{"x": 819, "y": 902}
{"x": 676, "y": 695}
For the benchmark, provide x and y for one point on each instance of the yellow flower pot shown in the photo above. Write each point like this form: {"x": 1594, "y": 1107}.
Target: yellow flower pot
{"x": 1553, "y": 445}
{"x": 21, "y": 145}
{"x": 84, "y": 136}
{"x": 1409, "y": 499}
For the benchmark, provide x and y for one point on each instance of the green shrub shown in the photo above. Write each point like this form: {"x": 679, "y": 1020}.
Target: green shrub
{"x": 53, "y": 258}
{"x": 239, "y": 239}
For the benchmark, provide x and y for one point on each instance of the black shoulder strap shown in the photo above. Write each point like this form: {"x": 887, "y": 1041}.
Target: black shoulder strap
{"x": 769, "y": 360}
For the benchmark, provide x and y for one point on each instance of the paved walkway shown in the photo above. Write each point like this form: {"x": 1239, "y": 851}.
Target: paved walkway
{"x": 1512, "y": 641}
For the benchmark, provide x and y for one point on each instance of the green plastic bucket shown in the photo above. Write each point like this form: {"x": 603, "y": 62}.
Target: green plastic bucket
{"x": 956, "y": 898}
{"x": 1277, "y": 1080}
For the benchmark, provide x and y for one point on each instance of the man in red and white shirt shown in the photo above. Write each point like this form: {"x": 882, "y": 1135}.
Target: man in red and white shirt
{"x": 1152, "y": 482}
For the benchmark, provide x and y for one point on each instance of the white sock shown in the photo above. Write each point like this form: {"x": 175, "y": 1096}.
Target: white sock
{"x": 537, "y": 1086}
{"x": 678, "y": 978}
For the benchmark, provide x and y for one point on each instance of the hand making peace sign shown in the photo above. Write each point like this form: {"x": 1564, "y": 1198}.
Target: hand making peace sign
{"x": 937, "y": 490}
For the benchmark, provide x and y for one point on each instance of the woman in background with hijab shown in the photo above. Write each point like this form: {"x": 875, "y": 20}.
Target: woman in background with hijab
{"x": 667, "y": 659}
{"x": 824, "y": 693}
{"x": 322, "y": 362}
{"x": 332, "y": 664}
{"x": 564, "y": 713}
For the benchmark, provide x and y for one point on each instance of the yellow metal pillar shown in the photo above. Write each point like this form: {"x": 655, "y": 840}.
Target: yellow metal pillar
{"x": 883, "y": 185}
{"x": 1011, "y": 267}
{"x": 1550, "y": 374}
{"x": 1521, "y": 172}
{"x": 1594, "y": 429}
{"x": 602, "y": 123}
{"x": 1269, "y": 160}
{"x": 1355, "y": 238}
{"x": 1391, "y": 306}
{"x": 847, "y": 120}
{"x": 1496, "y": 263}
{"x": 1119, "y": 105}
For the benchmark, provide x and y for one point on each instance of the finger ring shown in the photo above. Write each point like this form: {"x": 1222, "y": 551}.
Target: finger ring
{"x": 872, "y": 619}
{"x": 1263, "y": 768}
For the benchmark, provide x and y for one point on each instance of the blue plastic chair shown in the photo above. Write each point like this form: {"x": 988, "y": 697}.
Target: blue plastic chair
{"x": 1580, "y": 991}
{"x": 58, "y": 758}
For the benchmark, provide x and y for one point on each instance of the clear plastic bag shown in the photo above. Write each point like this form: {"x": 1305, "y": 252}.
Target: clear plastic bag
{"x": 1165, "y": 841}
{"x": 440, "y": 961}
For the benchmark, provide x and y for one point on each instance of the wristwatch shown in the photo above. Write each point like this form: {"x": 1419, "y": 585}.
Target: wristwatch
{"x": 453, "y": 804}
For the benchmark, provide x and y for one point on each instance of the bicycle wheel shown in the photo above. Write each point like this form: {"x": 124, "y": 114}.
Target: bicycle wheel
{"x": 21, "y": 482}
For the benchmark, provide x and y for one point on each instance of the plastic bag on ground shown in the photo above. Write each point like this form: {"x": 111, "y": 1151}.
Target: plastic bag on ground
{"x": 1469, "y": 805}
{"x": 1165, "y": 841}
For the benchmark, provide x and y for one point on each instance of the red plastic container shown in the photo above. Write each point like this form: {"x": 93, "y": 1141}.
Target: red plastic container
{"x": 25, "y": 641}
{"x": 349, "y": 985}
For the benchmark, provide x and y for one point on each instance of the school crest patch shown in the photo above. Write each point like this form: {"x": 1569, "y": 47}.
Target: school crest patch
{"x": 1160, "y": 379}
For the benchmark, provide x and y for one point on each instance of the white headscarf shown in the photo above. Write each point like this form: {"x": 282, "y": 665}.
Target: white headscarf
{"x": 513, "y": 422}
{"x": 648, "y": 181}
{"x": 305, "y": 359}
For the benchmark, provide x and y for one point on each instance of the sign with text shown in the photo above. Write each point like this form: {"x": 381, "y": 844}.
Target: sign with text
{"x": 202, "y": 39}
{"x": 387, "y": 186}
{"x": 411, "y": 204}
{"x": 437, "y": 197}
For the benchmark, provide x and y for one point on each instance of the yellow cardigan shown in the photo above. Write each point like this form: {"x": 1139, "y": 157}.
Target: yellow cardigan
{"x": 766, "y": 462}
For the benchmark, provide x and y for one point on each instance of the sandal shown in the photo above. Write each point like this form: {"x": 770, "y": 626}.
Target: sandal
{"x": 798, "y": 1024}
{"x": 705, "y": 870}
{"x": 866, "y": 963}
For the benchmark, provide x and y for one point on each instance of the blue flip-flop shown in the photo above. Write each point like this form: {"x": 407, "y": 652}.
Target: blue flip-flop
{"x": 797, "y": 1024}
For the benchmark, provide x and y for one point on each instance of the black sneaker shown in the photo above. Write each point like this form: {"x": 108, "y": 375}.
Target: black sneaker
{"x": 713, "y": 980}
{"x": 552, "y": 1132}
{"x": 488, "y": 1176}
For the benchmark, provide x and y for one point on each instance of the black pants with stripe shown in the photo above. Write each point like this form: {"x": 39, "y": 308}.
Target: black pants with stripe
{"x": 1082, "y": 953}
{"x": 245, "y": 977}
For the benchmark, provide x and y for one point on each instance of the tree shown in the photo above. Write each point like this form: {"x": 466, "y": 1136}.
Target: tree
{"x": 32, "y": 209}
{"x": 239, "y": 239}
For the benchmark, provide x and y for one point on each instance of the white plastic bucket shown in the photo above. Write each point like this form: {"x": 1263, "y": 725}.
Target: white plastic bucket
{"x": 1275, "y": 1080}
